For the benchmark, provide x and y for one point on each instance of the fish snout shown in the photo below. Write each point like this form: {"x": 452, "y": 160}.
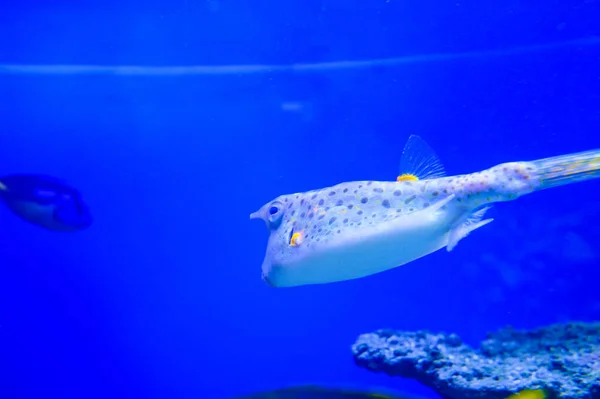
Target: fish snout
{"x": 260, "y": 215}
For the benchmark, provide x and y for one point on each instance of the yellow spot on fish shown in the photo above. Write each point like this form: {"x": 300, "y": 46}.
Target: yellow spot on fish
{"x": 529, "y": 394}
{"x": 296, "y": 239}
{"x": 407, "y": 177}
{"x": 322, "y": 213}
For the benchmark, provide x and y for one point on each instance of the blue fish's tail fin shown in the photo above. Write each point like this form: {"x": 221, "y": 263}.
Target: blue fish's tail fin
{"x": 567, "y": 169}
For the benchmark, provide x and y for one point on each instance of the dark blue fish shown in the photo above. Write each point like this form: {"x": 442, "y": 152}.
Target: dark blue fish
{"x": 45, "y": 201}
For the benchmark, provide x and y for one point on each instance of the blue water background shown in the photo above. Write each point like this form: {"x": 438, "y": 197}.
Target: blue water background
{"x": 162, "y": 297}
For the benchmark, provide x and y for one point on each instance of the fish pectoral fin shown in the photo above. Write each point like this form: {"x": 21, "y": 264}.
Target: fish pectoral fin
{"x": 464, "y": 227}
{"x": 419, "y": 161}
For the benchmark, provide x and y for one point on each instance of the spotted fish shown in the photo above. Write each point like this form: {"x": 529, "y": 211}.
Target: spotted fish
{"x": 360, "y": 228}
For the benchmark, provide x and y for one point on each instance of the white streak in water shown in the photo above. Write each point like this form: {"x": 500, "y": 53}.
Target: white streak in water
{"x": 128, "y": 70}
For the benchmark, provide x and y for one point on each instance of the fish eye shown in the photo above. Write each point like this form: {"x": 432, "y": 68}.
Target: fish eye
{"x": 46, "y": 194}
{"x": 275, "y": 213}
{"x": 273, "y": 210}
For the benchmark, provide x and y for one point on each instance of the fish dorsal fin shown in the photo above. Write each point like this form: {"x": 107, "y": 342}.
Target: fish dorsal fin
{"x": 419, "y": 161}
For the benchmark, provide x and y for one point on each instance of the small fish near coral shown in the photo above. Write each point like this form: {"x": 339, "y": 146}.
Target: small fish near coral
{"x": 45, "y": 201}
{"x": 324, "y": 392}
{"x": 356, "y": 229}
{"x": 530, "y": 394}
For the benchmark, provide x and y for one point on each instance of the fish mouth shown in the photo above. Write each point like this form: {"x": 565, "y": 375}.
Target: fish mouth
{"x": 255, "y": 215}
{"x": 265, "y": 278}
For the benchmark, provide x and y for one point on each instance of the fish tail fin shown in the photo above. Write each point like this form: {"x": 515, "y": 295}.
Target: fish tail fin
{"x": 567, "y": 169}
